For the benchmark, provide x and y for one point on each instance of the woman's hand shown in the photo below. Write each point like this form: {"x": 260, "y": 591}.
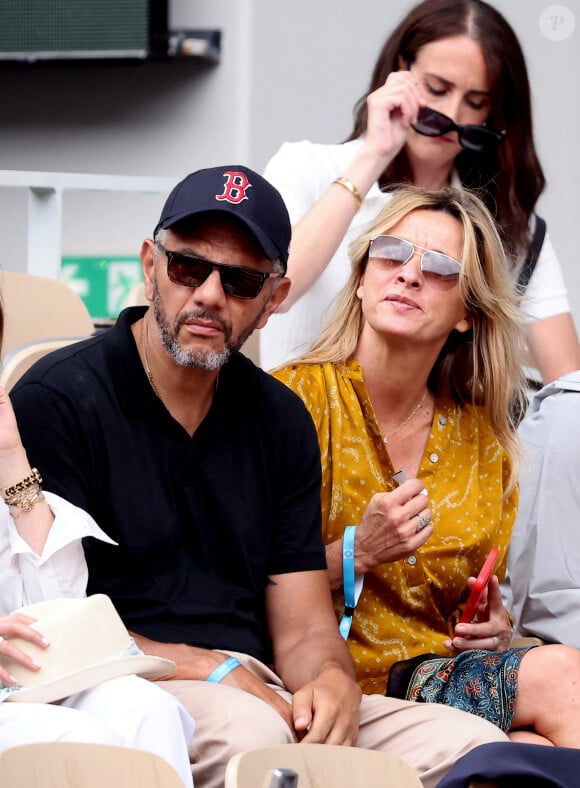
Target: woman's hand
{"x": 492, "y": 630}
{"x": 15, "y": 625}
{"x": 394, "y": 525}
{"x": 319, "y": 233}
{"x": 391, "y": 111}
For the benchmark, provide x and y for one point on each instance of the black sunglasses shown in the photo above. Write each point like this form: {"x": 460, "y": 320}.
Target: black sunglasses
{"x": 192, "y": 271}
{"x": 480, "y": 139}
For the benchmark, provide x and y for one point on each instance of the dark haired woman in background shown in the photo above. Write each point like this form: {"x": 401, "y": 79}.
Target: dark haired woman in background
{"x": 449, "y": 63}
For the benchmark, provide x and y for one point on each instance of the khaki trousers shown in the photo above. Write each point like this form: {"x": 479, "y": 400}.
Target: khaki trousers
{"x": 428, "y": 736}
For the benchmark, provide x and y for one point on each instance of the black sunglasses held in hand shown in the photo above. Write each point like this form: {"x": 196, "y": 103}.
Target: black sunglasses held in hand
{"x": 192, "y": 271}
{"x": 440, "y": 271}
{"x": 480, "y": 139}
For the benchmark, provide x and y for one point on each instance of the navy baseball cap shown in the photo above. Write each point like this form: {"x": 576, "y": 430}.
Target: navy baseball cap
{"x": 242, "y": 193}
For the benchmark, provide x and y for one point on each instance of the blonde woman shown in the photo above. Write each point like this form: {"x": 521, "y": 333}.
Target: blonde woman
{"x": 414, "y": 378}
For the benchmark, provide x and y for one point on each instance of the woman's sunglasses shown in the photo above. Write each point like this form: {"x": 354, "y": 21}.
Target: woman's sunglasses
{"x": 440, "y": 271}
{"x": 476, "y": 138}
{"x": 192, "y": 271}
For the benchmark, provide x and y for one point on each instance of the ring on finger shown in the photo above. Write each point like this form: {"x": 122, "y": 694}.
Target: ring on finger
{"x": 424, "y": 519}
{"x": 495, "y": 643}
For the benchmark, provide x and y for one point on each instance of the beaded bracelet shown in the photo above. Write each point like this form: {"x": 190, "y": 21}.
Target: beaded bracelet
{"x": 222, "y": 670}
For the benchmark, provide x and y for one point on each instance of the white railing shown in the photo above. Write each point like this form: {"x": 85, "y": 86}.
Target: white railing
{"x": 45, "y": 192}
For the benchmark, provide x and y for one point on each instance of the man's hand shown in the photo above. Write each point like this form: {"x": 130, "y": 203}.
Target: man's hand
{"x": 197, "y": 663}
{"x": 326, "y": 710}
{"x": 312, "y": 659}
{"x": 243, "y": 679}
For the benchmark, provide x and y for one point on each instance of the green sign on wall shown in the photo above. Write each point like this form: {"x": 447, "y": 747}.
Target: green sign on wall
{"x": 102, "y": 282}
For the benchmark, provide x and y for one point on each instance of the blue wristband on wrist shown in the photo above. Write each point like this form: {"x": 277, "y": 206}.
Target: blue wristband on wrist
{"x": 222, "y": 670}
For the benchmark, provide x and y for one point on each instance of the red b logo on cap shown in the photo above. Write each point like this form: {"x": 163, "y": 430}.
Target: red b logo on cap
{"x": 235, "y": 187}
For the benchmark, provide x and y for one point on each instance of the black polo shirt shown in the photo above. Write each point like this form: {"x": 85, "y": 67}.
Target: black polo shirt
{"x": 201, "y": 522}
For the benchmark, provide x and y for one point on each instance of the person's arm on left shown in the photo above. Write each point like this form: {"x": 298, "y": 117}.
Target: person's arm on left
{"x": 24, "y": 538}
{"x": 33, "y": 525}
{"x": 41, "y": 553}
{"x": 312, "y": 659}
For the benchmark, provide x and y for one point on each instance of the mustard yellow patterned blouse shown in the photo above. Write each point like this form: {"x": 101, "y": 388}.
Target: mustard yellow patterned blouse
{"x": 408, "y": 607}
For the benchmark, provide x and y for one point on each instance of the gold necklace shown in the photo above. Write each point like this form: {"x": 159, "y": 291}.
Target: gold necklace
{"x": 146, "y": 361}
{"x": 408, "y": 419}
{"x": 148, "y": 370}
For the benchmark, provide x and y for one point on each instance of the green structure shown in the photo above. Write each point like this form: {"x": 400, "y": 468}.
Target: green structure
{"x": 102, "y": 282}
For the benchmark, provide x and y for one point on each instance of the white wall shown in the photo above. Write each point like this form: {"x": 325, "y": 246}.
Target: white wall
{"x": 289, "y": 70}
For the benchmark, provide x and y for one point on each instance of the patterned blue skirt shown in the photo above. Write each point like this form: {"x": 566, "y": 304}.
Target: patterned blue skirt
{"x": 481, "y": 682}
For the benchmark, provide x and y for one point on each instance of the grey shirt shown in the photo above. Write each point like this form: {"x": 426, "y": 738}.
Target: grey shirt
{"x": 544, "y": 555}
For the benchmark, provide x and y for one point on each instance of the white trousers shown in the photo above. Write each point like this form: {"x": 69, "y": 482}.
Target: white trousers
{"x": 127, "y": 711}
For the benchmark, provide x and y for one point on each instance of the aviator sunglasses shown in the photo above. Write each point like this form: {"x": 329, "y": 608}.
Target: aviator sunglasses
{"x": 191, "y": 270}
{"x": 480, "y": 139}
{"x": 440, "y": 271}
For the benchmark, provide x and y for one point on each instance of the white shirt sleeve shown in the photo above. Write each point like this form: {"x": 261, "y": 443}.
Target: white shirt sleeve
{"x": 61, "y": 570}
{"x": 546, "y": 294}
{"x": 302, "y": 173}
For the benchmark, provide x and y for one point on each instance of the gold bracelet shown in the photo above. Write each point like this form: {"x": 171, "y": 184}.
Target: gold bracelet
{"x": 20, "y": 500}
{"x": 24, "y": 505}
{"x": 34, "y": 480}
{"x": 349, "y": 186}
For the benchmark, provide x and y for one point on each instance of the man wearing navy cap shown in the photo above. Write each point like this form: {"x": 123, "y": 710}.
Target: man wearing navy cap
{"x": 206, "y": 472}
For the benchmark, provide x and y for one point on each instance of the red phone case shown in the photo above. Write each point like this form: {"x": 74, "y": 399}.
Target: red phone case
{"x": 479, "y": 586}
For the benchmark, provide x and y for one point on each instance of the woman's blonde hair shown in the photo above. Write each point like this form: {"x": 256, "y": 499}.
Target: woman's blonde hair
{"x": 482, "y": 366}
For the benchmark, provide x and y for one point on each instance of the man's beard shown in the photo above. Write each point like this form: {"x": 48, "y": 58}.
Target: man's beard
{"x": 208, "y": 360}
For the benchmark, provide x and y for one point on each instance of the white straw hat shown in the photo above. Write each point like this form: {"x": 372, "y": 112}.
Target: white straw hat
{"x": 89, "y": 644}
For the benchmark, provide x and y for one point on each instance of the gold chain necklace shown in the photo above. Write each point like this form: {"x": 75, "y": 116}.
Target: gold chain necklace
{"x": 148, "y": 370}
{"x": 403, "y": 423}
{"x": 146, "y": 361}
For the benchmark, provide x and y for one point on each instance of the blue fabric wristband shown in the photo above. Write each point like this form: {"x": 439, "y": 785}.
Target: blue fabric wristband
{"x": 222, "y": 670}
{"x": 352, "y": 584}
